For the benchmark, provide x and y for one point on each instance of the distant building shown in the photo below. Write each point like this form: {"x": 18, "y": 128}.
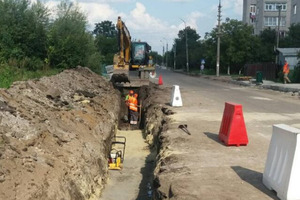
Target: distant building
{"x": 262, "y": 14}
{"x": 295, "y": 12}
{"x": 290, "y": 55}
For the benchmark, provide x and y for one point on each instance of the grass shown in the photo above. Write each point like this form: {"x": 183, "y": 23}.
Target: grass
{"x": 9, "y": 74}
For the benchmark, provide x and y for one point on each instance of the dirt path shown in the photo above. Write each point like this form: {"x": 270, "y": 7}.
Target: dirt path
{"x": 130, "y": 183}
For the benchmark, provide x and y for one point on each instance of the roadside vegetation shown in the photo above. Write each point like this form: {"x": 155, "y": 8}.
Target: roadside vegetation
{"x": 33, "y": 43}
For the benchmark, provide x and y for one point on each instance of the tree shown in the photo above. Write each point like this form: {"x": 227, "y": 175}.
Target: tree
{"x": 106, "y": 29}
{"x": 194, "y": 46}
{"x": 236, "y": 45}
{"x": 69, "y": 42}
{"x": 265, "y": 48}
{"x": 23, "y": 32}
{"x": 293, "y": 37}
{"x": 106, "y": 40}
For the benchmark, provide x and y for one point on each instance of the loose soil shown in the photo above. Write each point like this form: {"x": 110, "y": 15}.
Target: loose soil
{"x": 54, "y": 134}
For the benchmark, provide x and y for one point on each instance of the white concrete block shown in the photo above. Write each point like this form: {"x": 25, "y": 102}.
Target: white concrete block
{"x": 176, "y": 97}
{"x": 282, "y": 170}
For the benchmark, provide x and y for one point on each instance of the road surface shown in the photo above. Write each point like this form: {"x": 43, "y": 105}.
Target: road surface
{"x": 199, "y": 166}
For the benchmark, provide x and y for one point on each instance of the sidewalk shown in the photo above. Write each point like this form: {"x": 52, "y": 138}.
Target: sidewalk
{"x": 289, "y": 87}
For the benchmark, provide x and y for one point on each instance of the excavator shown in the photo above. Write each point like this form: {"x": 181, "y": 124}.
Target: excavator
{"x": 132, "y": 65}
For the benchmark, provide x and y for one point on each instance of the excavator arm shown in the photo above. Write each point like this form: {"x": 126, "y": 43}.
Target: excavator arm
{"x": 122, "y": 58}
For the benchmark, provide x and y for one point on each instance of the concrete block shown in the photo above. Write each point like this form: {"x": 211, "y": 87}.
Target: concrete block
{"x": 282, "y": 169}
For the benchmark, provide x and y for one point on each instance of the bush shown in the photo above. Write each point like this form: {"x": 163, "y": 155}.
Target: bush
{"x": 295, "y": 76}
{"x": 10, "y": 74}
{"x": 94, "y": 63}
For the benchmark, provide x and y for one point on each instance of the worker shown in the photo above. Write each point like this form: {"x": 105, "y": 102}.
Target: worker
{"x": 132, "y": 103}
{"x": 286, "y": 71}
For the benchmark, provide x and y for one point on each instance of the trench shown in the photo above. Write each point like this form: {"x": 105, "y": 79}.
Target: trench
{"x": 134, "y": 181}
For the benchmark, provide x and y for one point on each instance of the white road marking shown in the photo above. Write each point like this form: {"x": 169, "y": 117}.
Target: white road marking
{"x": 236, "y": 88}
{"x": 261, "y": 98}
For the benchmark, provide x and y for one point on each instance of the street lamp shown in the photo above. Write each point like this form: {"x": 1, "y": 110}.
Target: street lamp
{"x": 174, "y": 48}
{"x": 163, "y": 51}
{"x": 166, "y": 52}
{"x": 186, "y": 47}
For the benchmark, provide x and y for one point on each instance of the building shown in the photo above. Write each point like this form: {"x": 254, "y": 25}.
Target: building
{"x": 262, "y": 14}
{"x": 295, "y": 12}
{"x": 290, "y": 55}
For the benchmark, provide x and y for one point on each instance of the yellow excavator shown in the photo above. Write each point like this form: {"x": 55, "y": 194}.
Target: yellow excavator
{"x": 133, "y": 66}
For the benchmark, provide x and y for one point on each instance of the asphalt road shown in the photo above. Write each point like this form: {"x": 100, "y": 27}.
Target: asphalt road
{"x": 205, "y": 167}
{"x": 265, "y": 107}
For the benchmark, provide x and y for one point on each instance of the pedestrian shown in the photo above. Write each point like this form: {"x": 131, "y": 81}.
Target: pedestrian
{"x": 286, "y": 71}
{"x": 132, "y": 103}
{"x": 201, "y": 68}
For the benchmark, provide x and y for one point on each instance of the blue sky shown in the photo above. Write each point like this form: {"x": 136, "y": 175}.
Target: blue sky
{"x": 158, "y": 21}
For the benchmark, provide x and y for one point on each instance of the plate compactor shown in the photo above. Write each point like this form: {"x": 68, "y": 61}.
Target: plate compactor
{"x": 117, "y": 153}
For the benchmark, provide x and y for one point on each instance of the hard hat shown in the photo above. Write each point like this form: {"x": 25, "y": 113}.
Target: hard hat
{"x": 131, "y": 92}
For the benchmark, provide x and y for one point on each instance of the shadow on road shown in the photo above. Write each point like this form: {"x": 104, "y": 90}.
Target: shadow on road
{"x": 214, "y": 137}
{"x": 255, "y": 179}
{"x": 147, "y": 172}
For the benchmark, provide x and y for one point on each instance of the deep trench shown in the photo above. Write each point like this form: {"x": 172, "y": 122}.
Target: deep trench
{"x": 147, "y": 171}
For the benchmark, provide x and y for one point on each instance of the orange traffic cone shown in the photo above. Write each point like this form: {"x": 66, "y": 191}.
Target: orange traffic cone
{"x": 160, "y": 81}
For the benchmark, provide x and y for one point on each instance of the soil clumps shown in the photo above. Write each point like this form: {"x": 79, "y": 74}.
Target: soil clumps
{"x": 54, "y": 136}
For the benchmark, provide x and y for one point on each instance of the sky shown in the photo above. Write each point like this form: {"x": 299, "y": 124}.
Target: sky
{"x": 158, "y": 21}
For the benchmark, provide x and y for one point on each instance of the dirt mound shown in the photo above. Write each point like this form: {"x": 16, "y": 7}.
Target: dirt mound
{"x": 53, "y": 135}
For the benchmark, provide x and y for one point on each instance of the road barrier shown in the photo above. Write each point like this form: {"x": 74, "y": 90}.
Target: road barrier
{"x": 160, "y": 80}
{"x": 282, "y": 170}
{"x": 176, "y": 97}
{"x": 233, "y": 130}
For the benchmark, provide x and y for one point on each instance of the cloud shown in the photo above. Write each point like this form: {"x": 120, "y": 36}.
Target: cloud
{"x": 179, "y": 0}
{"x": 96, "y": 12}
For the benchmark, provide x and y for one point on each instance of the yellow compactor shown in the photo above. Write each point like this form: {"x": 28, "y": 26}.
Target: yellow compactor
{"x": 117, "y": 153}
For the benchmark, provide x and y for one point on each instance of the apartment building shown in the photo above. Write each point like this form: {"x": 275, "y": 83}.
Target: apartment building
{"x": 295, "y": 12}
{"x": 262, "y": 14}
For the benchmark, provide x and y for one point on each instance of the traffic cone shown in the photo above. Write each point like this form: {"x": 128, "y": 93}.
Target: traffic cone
{"x": 160, "y": 81}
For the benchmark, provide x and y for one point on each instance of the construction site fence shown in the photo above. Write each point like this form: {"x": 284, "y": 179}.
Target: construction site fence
{"x": 269, "y": 70}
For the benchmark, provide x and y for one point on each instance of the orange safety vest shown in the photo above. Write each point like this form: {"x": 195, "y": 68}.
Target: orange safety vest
{"x": 133, "y": 103}
{"x": 286, "y": 68}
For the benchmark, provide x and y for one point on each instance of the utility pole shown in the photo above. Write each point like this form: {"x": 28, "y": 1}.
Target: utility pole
{"x": 278, "y": 30}
{"x": 166, "y": 52}
{"x": 219, "y": 39}
{"x": 167, "y": 55}
{"x": 163, "y": 53}
{"x": 186, "y": 48}
{"x": 175, "y": 55}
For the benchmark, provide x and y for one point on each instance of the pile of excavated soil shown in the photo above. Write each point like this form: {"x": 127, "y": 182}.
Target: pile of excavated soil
{"x": 54, "y": 134}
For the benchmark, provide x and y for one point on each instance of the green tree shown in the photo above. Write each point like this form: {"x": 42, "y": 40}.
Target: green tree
{"x": 194, "y": 49}
{"x": 105, "y": 28}
{"x": 157, "y": 59}
{"x": 293, "y": 37}
{"x": 69, "y": 42}
{"x": 237, "y": 45}
{"x": 106, "y": 40}
{"x": 23, "y": 32}
{"x": 265, "y": 46}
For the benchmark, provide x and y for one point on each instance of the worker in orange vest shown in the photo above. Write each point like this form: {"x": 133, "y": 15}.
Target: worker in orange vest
{"x": 286, "y": 71}
{"x": 132, "y": 103}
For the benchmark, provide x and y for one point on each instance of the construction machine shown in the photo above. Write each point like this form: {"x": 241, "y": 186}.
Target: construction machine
{"x": 117, "y": 153}
{"x": 133, "y": 66}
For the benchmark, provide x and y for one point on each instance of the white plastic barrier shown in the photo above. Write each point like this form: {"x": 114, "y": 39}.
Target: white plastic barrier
{"x": 176, "y": 97}
{"x": 282, "y": 170}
